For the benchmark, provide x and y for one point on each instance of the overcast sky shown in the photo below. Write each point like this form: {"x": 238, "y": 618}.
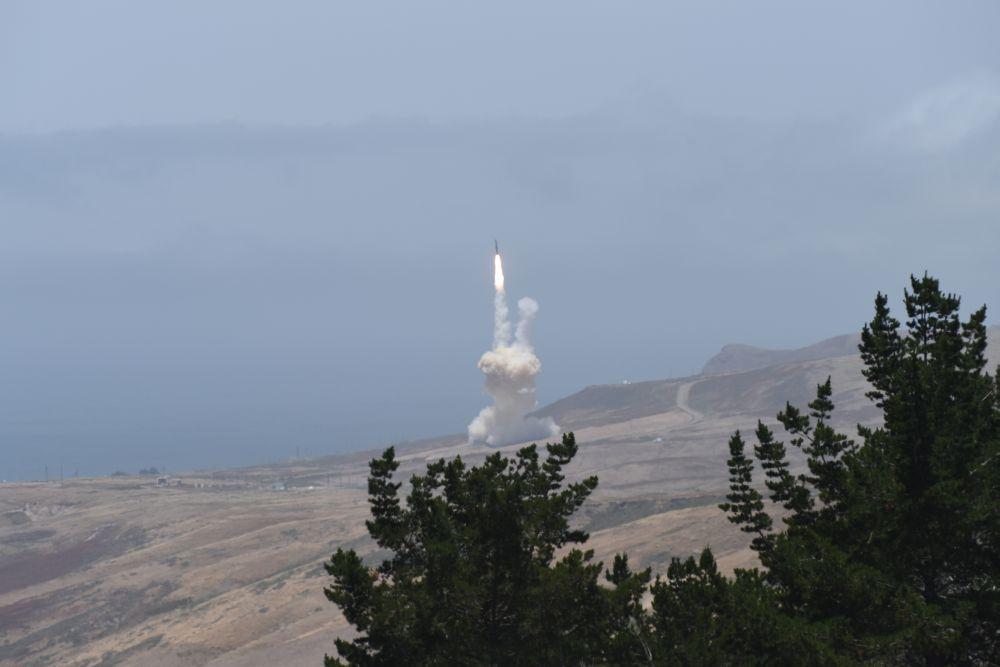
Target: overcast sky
{"x": 229, "y": 230}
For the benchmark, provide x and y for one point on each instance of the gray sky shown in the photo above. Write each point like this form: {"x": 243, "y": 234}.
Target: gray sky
{"x": 228, "y": 230}
{"x": 103, "y": 63}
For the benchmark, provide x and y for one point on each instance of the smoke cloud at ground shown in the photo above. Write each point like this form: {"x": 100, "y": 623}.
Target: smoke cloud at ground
{"x": 510, "y": 369}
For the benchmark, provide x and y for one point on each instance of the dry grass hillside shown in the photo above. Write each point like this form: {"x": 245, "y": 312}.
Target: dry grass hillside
{"x": 225, "y": 568}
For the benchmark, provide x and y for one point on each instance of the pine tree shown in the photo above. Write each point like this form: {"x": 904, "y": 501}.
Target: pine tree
{"x": 473, "y": 578}
{"x": 628, "y": 635}
{"x": 746, "y": 505}
{"x": 891, "y": 550}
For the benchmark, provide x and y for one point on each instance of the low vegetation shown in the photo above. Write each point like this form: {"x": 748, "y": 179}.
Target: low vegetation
{"x": 887, "y": 552}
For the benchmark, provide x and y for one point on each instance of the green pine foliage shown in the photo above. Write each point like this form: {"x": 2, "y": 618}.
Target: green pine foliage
{"x": 474, "y": 578}
{"x": 746, "y": 505}
{"x": 891, "y": 547}
{"x": 700, "y": 617}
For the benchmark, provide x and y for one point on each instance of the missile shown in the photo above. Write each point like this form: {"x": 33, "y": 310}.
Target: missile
{"x": 496, "y": 246}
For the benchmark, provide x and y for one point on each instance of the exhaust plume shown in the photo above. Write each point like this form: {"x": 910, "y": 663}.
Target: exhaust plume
{"x": 510, "y": 369}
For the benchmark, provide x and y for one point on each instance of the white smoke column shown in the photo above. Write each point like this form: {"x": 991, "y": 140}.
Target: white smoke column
{"x": 501, "y": 323}
{"x": 510, "y": 369}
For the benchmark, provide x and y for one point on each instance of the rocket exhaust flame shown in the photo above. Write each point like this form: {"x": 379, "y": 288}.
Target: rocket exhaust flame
{"x": 497, "y": 273}
{"x": 510, "y": 369}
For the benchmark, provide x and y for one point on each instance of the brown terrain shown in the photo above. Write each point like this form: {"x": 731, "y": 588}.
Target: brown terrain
{"x": 225, "y": 568}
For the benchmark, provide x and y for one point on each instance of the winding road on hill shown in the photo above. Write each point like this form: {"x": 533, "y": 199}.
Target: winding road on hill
{"x": 683, "y": 394}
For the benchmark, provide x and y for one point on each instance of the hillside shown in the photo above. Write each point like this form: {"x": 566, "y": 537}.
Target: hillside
{"x": 737, "y": 357}
{"x": 225, "y": 568}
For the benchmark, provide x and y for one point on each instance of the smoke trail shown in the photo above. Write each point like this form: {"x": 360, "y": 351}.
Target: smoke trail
{"x": 501, "y": 323}
{"x": 510, "y": 369}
